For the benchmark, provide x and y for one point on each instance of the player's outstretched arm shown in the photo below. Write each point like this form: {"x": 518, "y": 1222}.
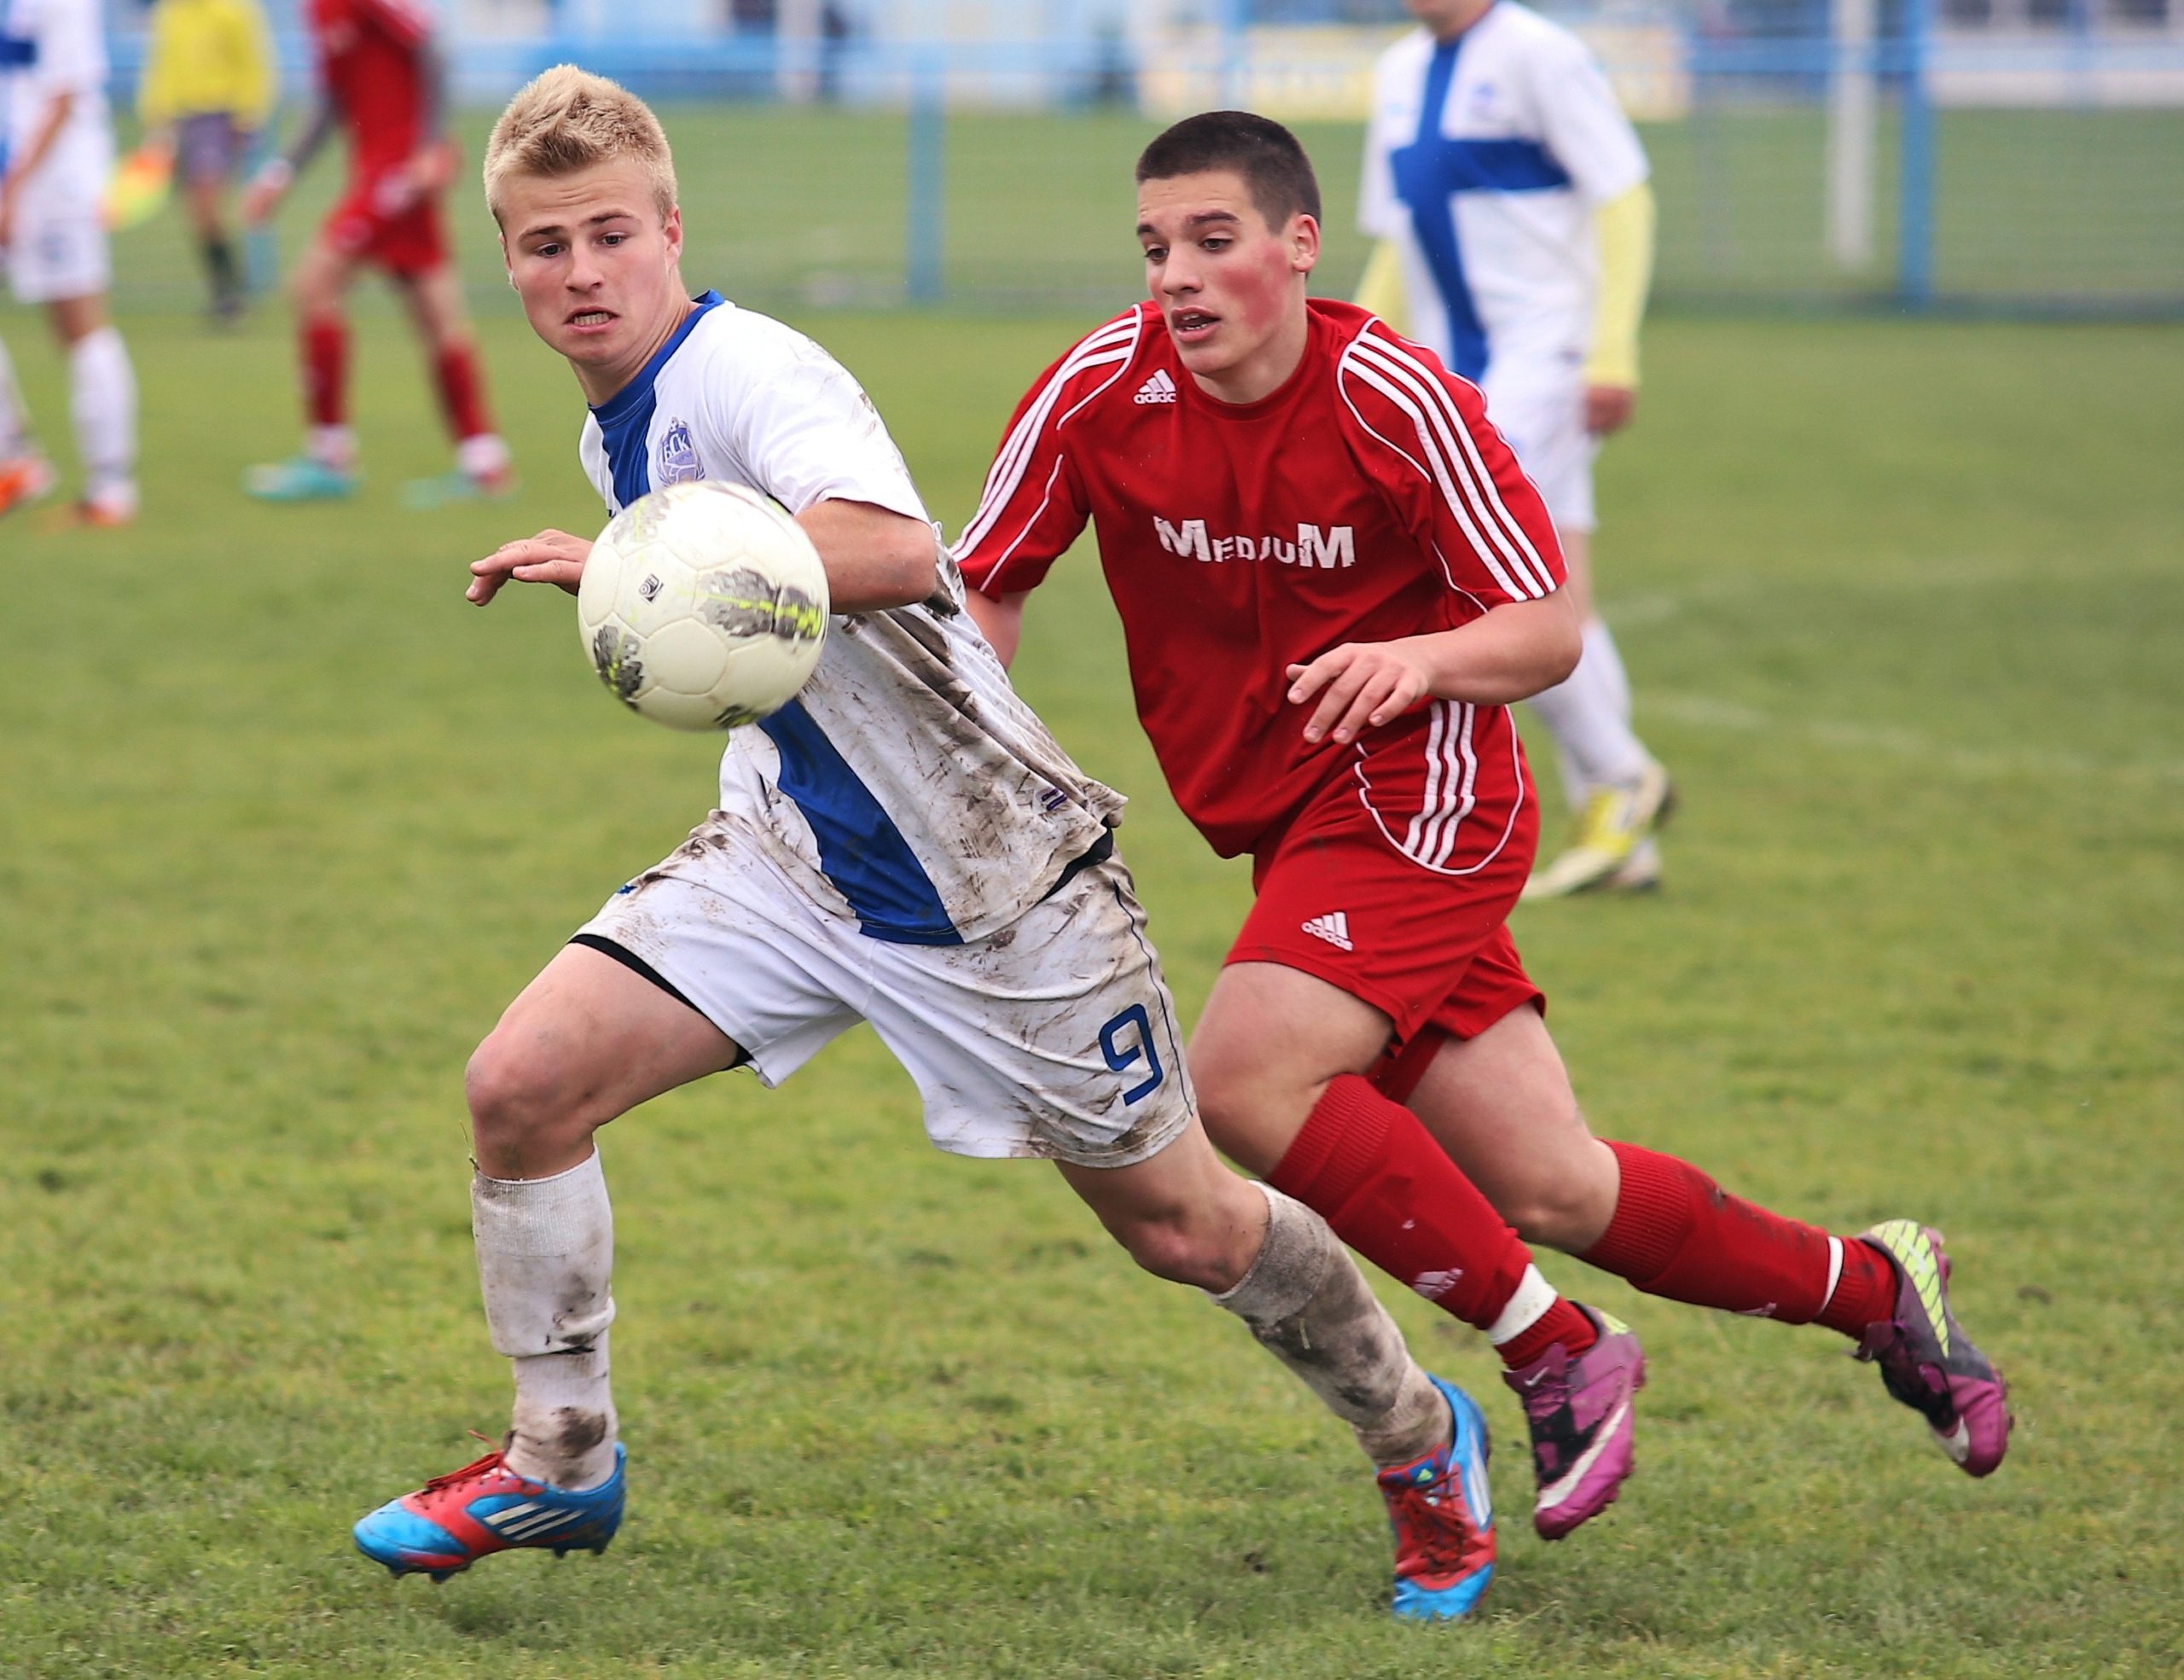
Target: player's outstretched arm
{"x": 1510, "y": 654}
{"x": 551, "y": 557}
{"x": 271, "y": 182}
{"x": 875, "y": 558}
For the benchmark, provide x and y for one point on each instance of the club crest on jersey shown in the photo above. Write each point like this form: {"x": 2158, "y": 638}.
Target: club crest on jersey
{"x": 678, "y": 457}
{"x": 1325, "y": 547}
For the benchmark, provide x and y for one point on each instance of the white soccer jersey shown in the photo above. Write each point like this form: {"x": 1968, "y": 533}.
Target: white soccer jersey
{"x": 906, "y": 785}
{"x": 48, "y": 47}
{"x": 1485, "y": 158}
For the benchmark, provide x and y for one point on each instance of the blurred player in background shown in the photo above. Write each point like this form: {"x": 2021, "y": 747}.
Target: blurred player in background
{"x": 1333, "y": 578}
{"x": 56, "y": 150}
{"x": 902, "y": 842}
{"x": 382, "y": 78}
{"x": 208, "y": 88}
{"x": 1511, "y": 200}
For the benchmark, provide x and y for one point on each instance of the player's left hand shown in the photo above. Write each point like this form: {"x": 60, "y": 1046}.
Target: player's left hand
{"x": 551, "y": 557}
{"x": 1361, "y": 685}
{"x": 1608, "y": 408}
{"x": 6, "y": 212}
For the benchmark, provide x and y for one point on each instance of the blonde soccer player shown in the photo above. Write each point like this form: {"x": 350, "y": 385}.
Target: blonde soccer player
{"x": 902, "y": 843}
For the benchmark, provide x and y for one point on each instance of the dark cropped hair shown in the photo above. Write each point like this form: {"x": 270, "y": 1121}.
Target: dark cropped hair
{"x": 1267, "y": 155}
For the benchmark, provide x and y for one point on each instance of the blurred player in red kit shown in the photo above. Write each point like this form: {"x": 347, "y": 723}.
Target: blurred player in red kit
{"x": 382, "y": 79}
{"x": 1333, "y": 579}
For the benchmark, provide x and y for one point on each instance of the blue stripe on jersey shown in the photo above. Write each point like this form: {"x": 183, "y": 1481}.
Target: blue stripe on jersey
{"x": 625, "y": 418}
{"x": 1433, "y": 168}
{"x": 18, "y": 52}
{"x": 861, "y": 850}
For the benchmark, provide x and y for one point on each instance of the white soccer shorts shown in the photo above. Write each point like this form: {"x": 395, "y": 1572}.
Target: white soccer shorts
{"x": 1539, "y": 409}
{"x": 58, "y": 247}
{"x": 1054, "y": 1037}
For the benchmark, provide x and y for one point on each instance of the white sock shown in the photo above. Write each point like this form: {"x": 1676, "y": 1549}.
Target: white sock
{"x": 1588, "y": 714}
{"x": 545, "y": 1263}
{"x": 334, "y": 446}
{"x": 14, "y": 413}
{"x": 102, "y": 397}
{"x": 483, "y": 457}
{"x": 1309, "y": 1306}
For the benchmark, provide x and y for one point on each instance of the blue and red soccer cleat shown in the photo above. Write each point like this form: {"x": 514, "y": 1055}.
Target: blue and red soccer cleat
{"x": 1443, "y": 1514}
{"x": 1582, "y": 1426}
{"x": 453, "y": 1520}
{"x": 1926, "y": 1360}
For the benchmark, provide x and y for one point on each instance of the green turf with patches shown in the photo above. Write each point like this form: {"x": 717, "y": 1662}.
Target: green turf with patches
{"x": 286, "y": 823}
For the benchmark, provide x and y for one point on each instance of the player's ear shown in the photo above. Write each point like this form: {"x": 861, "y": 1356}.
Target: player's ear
{"x": 672, "y": 225}
{"x": 1303, "y": 242}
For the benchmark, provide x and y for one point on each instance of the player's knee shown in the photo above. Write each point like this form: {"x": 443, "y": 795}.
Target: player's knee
{"x": 1566, "y": 1212}
{"x": 517, "y": 1101}
{"x": 1175, "y": 1248}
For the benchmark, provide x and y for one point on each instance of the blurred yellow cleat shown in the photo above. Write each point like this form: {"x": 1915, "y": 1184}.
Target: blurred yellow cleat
{"x": 1614, "y": 846}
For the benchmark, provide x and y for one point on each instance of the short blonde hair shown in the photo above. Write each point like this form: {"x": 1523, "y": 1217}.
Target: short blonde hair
{"x": 568, "y": 119}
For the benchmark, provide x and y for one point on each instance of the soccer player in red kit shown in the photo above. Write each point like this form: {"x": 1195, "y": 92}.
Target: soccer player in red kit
{"x": 383, "y": 81}
{"x": 1333, "y": 579}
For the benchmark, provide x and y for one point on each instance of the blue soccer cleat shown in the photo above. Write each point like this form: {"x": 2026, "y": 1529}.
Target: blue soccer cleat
{"x": 298, "y": 479}
{"x": 453, "y": 1520}
{"x": 1443, "y": 1513}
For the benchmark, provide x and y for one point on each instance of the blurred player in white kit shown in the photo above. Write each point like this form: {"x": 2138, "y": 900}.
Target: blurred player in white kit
{"x": 57, "y": 149}
{"x": 1510, "y": 197}
{"x": 904, "y": 844}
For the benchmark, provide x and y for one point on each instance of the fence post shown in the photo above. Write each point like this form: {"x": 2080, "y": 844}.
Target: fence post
{"x": 1233, "y": 20}
{"x": 1850, "y": 230}
{"x": 924, "y": 245}
{"x": 1914, "y": 212}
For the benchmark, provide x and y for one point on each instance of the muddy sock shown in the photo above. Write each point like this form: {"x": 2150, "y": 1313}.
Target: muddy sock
{"x": 1309, "y": 1306}
{"x": 545, "y": 1260}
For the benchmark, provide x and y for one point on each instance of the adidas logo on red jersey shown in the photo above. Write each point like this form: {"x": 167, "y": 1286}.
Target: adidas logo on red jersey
{"x": 1333, "y": 927}
{"x": 1158, "y": 389}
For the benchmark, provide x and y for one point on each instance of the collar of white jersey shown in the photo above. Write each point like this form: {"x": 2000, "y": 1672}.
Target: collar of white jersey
{"x": 639, "y": 388}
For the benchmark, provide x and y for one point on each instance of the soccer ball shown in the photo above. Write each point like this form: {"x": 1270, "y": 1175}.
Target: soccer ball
{"x": 702, "y": 606}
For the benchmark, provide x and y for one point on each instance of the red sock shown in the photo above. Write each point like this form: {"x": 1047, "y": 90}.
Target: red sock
{"x": 1373, "y": 1172}
{"x": 1677, "y": 1234}
{"x": 326, "y": 371}
{"x": 462, "y": 395}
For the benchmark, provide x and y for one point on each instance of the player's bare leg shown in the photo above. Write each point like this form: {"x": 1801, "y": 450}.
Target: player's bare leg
{"x": 102, "y": 404}
{"x": 1502, "y": 1107}
{"x": 326, "y": 467}
{"x": 1273, "y": 1262}
{"x": 434, "y": 299}
{"x": 1277, "y": 1060}
{"x": 1619, "y": 794}
{"x": 586, "y": 1041}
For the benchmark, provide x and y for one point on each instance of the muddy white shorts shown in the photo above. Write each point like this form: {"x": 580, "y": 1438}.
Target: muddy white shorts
{"x": 1538, "y": 405}
{"x": 1054, "y": 1037}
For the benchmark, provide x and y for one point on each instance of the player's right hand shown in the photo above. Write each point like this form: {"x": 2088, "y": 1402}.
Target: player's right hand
{"x": 551, "y": 557}
{"x": 263, "y": 195}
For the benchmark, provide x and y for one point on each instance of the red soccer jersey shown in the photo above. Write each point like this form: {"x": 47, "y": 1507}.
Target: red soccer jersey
{"x": 368, "y": 62}
{"x": 1367, "y": 499}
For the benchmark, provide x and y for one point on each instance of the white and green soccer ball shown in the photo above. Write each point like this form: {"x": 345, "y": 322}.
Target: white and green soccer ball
{"x": 702, "y": 606}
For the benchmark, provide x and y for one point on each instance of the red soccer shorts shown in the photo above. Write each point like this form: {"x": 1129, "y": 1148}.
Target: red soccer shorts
{"x": 1430, "y": 949}
{"x": 399, "y": 233}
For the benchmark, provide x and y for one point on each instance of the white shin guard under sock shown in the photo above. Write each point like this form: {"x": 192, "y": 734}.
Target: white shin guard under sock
{"x": 1308, "y": 1305}
{"x": 102, "y": 399}
{"x": 545, "y": 1266}
{"x": 1589, "y": 714}
{"x": 15, "y": 413}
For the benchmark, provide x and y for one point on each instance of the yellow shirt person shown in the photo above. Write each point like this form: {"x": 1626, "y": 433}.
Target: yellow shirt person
{"x": 210, "y": 84}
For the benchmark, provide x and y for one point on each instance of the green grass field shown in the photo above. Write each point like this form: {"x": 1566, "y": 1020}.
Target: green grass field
{"x": 286, "y": 823}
